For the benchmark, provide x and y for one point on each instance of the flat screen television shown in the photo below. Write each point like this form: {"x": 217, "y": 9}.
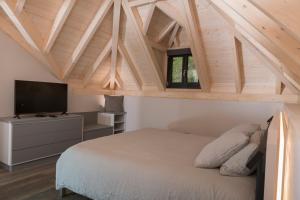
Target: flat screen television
{"x": 40, "y": 97}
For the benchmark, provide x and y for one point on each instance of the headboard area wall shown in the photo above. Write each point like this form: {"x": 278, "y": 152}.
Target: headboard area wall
{"x": 207, "y": 117}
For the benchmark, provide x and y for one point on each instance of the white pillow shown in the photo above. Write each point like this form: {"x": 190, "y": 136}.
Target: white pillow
{"x": 256, "y": 137}
{"x": 237, "y": 164}
{"x": 214, "y": 154}
{"x": 247, "y": 129}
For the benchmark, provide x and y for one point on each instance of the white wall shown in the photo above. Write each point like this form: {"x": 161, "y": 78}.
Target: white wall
{"x": 16, "y": 63}
{"x": 210, "y": 117}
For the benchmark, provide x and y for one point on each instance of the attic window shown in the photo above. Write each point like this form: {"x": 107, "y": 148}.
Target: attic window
{"x": 182, "y": 72}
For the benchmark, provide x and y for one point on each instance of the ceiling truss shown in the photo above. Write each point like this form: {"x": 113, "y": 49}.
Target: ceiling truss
{"x": 183, "y": 19}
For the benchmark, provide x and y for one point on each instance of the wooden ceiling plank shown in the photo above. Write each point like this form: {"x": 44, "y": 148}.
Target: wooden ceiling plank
{"x": 133, "y": 67}
{"x": 156, "y": 45}
{"x": 171, "y": 11}
{"x": 31, "y": 36}
{"x": 20, "y": 6}
{"x": 239, "y": 66}
{"x": 192, "y": 27}
{"x": 106, "y": 81}
{"x": 58, "y": 23}
{"x": 102, "y": 56}
{"x": 144, "y": 43}
{"x": 115, "y": 41}
{"x": 173, "y": 35}
{"x": 264, "y": 54}
{"x": 165, "y": 31}
{"x": 87, "y": 36}
{"x": 148, "y": 19}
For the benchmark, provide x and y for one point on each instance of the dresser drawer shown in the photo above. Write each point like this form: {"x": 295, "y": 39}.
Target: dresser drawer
{"x": 46, "y": 127}
{"x": 19, "y": 156}
{"x": 45, "y": 137}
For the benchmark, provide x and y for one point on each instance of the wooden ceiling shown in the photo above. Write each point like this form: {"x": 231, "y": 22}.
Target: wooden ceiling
{"x": 243, "y": 49}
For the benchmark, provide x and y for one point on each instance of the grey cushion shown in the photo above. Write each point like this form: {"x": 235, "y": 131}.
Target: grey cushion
{"x": 114, "y": 104}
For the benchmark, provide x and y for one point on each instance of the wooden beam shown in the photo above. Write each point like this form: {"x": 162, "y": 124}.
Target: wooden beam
{"x": 192, "y": 27}
{"x": 20, "y": 6}
{"x": 31, "y": 36}
{"x": 264, "y": 30}
{"x": 262, "y": 53}
{"x": 138, "y": 3}
{"x": 102, "y": 56}
{"x": 58, "y": 23}
{"x": 115, "y": 41}
{"x": 171, "y": 11}
{"x": 294, "y": 99}
{"x": 133, "y": 67}
{"x": 239, "y": 66}
{"x": 106, "y": 81}
{"x": 119, "y": 81}
{"x": 145, "y": 45}
{"x": 173, "y": 35}
{"x": 165, "y": 31}
{"x": 87, "y": 36}
{"x": 148, "y": 19}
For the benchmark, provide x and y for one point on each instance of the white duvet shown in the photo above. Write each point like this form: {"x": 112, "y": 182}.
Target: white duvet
{"x": 149, "y": 164}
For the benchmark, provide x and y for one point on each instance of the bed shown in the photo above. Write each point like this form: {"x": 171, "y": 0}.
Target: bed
{"x": 148, "y": 164}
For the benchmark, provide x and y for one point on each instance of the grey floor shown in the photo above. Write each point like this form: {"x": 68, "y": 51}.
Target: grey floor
{"x": 34, "y": 181}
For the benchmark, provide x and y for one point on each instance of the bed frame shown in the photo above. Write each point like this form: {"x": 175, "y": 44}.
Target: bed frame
{"x": 258, "y": 162}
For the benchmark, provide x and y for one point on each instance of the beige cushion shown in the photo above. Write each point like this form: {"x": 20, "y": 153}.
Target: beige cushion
{"x": 237, "y": 164}
{"x": 214, "y": 154}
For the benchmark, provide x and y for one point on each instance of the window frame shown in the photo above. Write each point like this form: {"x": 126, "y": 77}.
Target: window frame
{"x": 184, "y": 84}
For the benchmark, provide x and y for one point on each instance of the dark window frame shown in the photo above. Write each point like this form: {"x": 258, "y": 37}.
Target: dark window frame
{"x": 184, "y": 84}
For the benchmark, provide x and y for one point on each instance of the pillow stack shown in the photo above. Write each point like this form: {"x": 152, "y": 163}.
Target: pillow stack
{"x": 232, "y": 150}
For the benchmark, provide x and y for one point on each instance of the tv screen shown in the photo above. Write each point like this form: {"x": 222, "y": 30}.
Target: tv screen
{"x": 40, "y": 97}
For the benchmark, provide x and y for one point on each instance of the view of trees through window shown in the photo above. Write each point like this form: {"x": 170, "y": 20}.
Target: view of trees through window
{"x": 182, "y": 72}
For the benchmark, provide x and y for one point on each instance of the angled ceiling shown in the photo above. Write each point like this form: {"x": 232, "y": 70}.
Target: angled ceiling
{"x": 242, "y": 51}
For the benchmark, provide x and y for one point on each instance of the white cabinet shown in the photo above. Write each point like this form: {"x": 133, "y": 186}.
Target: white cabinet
{"x": 117, "y": 120}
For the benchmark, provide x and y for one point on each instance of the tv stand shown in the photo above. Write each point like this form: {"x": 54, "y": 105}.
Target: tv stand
{"x": 32, "y": 138}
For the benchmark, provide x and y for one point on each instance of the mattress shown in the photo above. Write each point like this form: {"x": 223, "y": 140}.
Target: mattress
{"x": 148, "y": 164}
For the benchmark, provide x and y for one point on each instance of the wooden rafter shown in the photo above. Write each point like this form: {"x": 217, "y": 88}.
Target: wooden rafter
{"x": 173, "y": 35}
{"x": 239, "y": 66}
{"x": 148, "y": 19}
{"x": 144, "y": 43}
{"x": 165, "y": 31}
{"x": 192, "y": 27}
{"x": 119, "y": 81}
{"x": 87, "y": 36}
{"x": 115, "y": 41}
{"x": 102, "y": 56}
{"x": 30, "y": 35}
{"x": 20, "y": 6}
{"x": 133, "y": 67}
{"x": 264, "y": 30}
{"x": 264, "y": 54}
{"x": 58, "y": 23}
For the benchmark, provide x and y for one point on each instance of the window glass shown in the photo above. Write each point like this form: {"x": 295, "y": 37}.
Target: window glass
{"x": 177, "y": 69}
{"x": 192, "y": 72}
